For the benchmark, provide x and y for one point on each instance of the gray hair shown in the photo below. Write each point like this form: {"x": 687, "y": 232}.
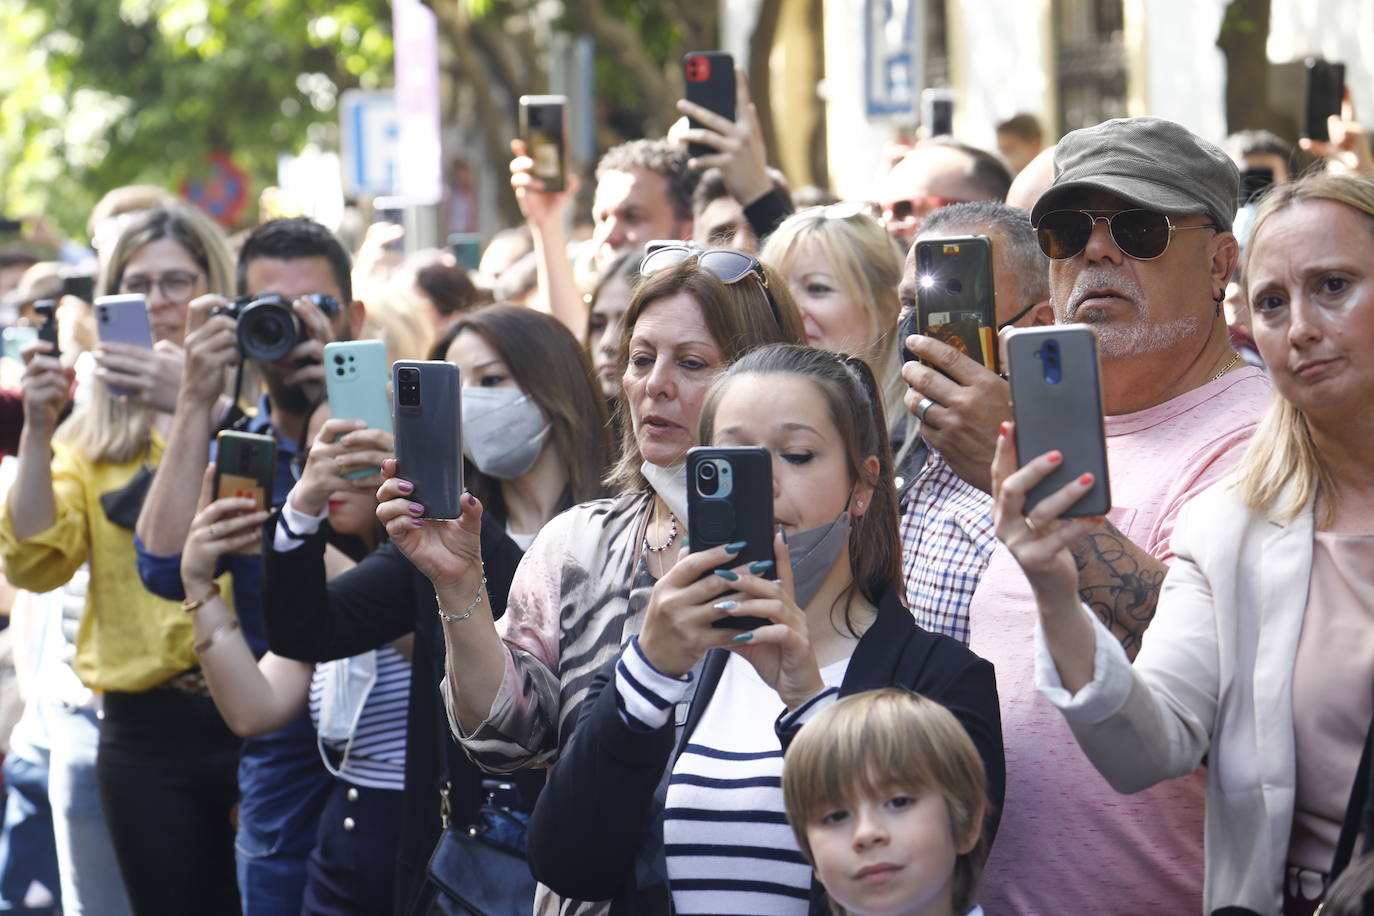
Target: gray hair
{"x": 1013, "y": 225}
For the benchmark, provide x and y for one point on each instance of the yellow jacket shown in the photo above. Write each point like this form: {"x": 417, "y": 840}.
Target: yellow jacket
{"x": 129, "y": 639}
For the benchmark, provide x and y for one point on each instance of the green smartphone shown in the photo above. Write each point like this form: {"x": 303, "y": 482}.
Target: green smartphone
{"x": 245, "y": 466}
{"x": 356, "y": 373}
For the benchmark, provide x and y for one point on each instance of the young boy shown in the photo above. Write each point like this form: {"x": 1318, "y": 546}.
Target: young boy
{"x": 886, "y": 795}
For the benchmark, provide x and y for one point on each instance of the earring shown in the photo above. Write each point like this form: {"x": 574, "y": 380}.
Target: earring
{"x": 861, "y": 504}
{"x": 1219, "y": 298}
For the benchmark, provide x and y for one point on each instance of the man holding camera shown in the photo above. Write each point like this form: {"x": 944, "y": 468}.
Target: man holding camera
{"x": 296, "y": 297}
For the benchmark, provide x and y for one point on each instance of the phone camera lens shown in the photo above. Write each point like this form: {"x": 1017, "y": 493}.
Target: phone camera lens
{"x": 338, "y": 360}
{"x": 708, "y": 472}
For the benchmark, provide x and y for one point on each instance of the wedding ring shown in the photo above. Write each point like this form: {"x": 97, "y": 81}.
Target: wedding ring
{"x": 1031, "y": 525}
{"x": 922, "y": 407}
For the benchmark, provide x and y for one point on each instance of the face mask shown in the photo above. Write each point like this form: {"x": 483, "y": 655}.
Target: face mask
{"x": 346, "y": 683}
{"x": 670, "y": 484}
{"x": 813, "y": 553}
{"x": 503, "y": 431}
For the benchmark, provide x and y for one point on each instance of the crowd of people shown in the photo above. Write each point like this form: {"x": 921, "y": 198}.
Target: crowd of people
{"x": 954, "y": 699}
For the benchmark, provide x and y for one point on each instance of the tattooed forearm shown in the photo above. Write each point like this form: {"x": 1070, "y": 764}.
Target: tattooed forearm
{"x": 1119, "y": 582}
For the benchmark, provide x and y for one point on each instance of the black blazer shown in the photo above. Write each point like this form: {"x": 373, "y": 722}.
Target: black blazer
{"x": 597, "y": 830}
{"x": 382, "y": 599}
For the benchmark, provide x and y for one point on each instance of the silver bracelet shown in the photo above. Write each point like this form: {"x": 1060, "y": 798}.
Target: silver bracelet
{"x": 454, "y": 618}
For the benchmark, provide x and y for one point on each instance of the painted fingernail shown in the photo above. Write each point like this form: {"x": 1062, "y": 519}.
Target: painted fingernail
{"x": 1004, "y": 428}
{"x": 725, "y": 605}
{"x": 743, "y": 637}
{"x": 1054, "y": 457}
{"x": 783, "y": 533}
{"x": 727, "y": 575}
{"x": 404, "y": 486}
{"x": 415, "y": 508}
{"x": 760, "y": 567}
{"x": 686, "y": 543}
{"x": 736, "y": 547}
{"x": 417, "y": 522}
{"x": 1086, "y": 480}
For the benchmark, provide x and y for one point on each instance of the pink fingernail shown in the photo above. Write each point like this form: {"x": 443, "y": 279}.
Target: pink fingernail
{"x": 1054, "y": 457}
{"x": 1086, "y": 479}
{"x": 417, "y": 522}
{"x": 415, "y": 508}
{"x": 405, "y": 487}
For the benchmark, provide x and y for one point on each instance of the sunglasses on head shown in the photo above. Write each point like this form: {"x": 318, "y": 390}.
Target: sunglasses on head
{"x": 1140, "y": 234}
{"x": 728, "y": 265}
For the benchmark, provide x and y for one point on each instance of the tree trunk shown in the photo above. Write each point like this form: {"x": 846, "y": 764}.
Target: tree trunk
{"x": 1243, "y": 38}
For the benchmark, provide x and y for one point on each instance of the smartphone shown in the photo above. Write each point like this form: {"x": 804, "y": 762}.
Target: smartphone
{"x": 429, "y": 446}
{"x": 905, "y": 328}
{"x": 544, "y": 126}
{"x": 937, "y": 111}
{"x": 1325, "y": 86}
{"x": 956, "y": 296}
{"x": 123, "y": 319}
{"x": 82, "y": 286}
{"x": 730, "y": 498}
{"x": 355, "y": 377}
{"x": 1056, "y": 401}
{"x": 710, "y": 78}
{"x": 11, "y": 225}
{"x": 46, "y": 309}
{"x": 245, "y": 466}
{"x": 16, "y": 338}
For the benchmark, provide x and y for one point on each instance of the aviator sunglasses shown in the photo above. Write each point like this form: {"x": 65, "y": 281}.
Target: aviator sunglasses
{"x": 728, "y": 265}
{"x": 1140, "y": 234}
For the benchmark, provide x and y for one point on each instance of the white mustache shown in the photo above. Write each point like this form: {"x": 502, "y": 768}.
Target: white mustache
{"x": 1098, "y": 277}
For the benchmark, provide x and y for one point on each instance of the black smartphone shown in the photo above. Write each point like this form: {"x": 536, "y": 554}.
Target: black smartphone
{"x": 82, "y": 286}
{"x": 1325, "y": 85}
{"x": 46, "y": 309}
{"x": 1254, "y": 182}
{"x": 428, "y": 421}
{"x": 937, "y": 111}
{"x": 730, "y": 498}
{"x": 710, "y": 78}
{"x": 544, "y": 127}
{"x": 956, "y": 295}
{"x": 1056, "y": 401}
{"x": 11, "y": 225}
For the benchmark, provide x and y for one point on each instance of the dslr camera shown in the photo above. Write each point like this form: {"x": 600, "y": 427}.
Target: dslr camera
{"x": 268, "y": 327}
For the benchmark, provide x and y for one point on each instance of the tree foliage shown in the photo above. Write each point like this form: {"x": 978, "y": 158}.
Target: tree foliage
{"x": 110, "y": 92}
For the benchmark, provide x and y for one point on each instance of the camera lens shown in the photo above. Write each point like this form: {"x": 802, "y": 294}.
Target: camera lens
{"x": 267, "y": 329}
{"x": 408, "y": 385}
{"x": 708, "y": 472}
{"x": 338, "y": 360}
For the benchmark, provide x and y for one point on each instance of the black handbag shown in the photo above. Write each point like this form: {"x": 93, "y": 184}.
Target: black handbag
{"x": 481, "y": 869}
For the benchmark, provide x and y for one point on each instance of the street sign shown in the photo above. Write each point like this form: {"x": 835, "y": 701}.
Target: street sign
{"x": 370, "y": 141}
{"x": 415, "y": 31}
{"x": 892, "y": 58}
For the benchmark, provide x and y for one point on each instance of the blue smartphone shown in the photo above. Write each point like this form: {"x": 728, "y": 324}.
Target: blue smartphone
{"x": 355, "y": 377}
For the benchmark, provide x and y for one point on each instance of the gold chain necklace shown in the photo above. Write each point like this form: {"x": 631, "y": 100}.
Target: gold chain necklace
{"x": 1235, "y": 358}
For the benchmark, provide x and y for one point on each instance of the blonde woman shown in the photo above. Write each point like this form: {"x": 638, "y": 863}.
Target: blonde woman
{"x": 843, "y": 270}
{"x": 1260, "y": 656}
{"x": 166, "y": 764}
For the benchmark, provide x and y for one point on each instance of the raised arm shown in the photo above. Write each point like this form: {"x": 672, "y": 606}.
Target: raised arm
{"x": 544, "y": 211}
{"x": 46, "y": 387}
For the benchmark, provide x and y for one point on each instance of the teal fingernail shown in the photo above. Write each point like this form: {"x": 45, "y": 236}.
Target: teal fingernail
{"x": 743, "y": 637}
{"x": 783, "y": 533}
{"x": 685, "y": 542}
{"x": 736, "y": 547}
{"x": 760, "y": 567}
{"x": 727, "y": 575}
{"x": 725, "y": 605}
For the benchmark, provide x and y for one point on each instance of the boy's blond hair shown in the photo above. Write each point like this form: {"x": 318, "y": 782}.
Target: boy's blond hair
{"x": 878, "y": 740}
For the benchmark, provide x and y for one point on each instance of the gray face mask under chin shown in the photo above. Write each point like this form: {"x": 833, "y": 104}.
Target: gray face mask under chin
{"x": 814, "y": 552}
{"x": 503, "y": 431}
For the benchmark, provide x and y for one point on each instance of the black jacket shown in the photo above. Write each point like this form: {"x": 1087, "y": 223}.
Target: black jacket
{"x": 597, "y": 830}
{"x": 382, "y": 599}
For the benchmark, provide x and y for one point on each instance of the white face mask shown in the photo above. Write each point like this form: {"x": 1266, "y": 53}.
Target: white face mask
{"x": 346, "y": 685}
{"x": 670, "y": 484}
{"x": 503, "y": 431}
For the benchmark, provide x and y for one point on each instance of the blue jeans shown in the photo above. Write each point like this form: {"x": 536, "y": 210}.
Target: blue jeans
{"x": 27, "y": 853}
{"x": 270, "y": 884}
{"x": 91, "y": 883}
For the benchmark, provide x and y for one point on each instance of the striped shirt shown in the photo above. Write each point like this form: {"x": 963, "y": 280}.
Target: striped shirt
{"x": 726, "y": 839}
{"x": 947, "y": 540}
{"x": 376, "y": 757}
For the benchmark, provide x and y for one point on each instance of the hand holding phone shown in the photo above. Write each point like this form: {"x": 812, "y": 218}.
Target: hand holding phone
{"x": 544, "y": 128}
{"x": 355, "y": 378}
{"x": 730, "y": 500}
{"x": 245, "y": 468}
{"x": 710, "y": 79}
{"x": 1056, "y": 394}
{"x": 956, "y": 298}
{"x": 123, "y": 319}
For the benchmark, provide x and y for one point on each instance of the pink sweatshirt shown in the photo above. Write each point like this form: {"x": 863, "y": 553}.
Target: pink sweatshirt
{"x": 1068, "y": 843}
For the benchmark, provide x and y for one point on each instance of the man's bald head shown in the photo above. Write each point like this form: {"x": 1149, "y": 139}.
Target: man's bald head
{"x": 937, "y": 173}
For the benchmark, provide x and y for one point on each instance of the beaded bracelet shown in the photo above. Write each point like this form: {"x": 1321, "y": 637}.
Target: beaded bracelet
{"x": 454, "y": 618}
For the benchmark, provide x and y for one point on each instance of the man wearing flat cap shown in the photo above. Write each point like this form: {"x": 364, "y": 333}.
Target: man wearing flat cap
{"x": 1137, "y": 226}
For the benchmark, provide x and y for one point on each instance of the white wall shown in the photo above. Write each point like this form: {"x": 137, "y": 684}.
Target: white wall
{"x": 1001, "y": 66}
{"x": 854, "y": 144}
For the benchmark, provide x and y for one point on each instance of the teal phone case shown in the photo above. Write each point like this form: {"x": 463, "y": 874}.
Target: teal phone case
{"x": 356, "y": 374}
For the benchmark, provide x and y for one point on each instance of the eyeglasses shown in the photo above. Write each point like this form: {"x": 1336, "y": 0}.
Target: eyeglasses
{"x": 728, "y": 265}
{"x": 1015, "y": 318}
{"x": 175, "y": 285}
{"x": 1140, "y": 234}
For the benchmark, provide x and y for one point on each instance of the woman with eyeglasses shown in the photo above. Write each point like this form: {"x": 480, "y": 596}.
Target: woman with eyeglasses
{"x": 582, "y": 588}
{"x": 1260, "y": 656}
{"x": 167, "y": 765}
{"x": 536, "y": 439}
{"x": 833, "y": 624}
{"x": 843, "y": 270}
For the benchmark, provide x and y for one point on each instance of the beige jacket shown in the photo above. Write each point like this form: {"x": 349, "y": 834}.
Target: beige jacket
{"x": 1214, "y": 677}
